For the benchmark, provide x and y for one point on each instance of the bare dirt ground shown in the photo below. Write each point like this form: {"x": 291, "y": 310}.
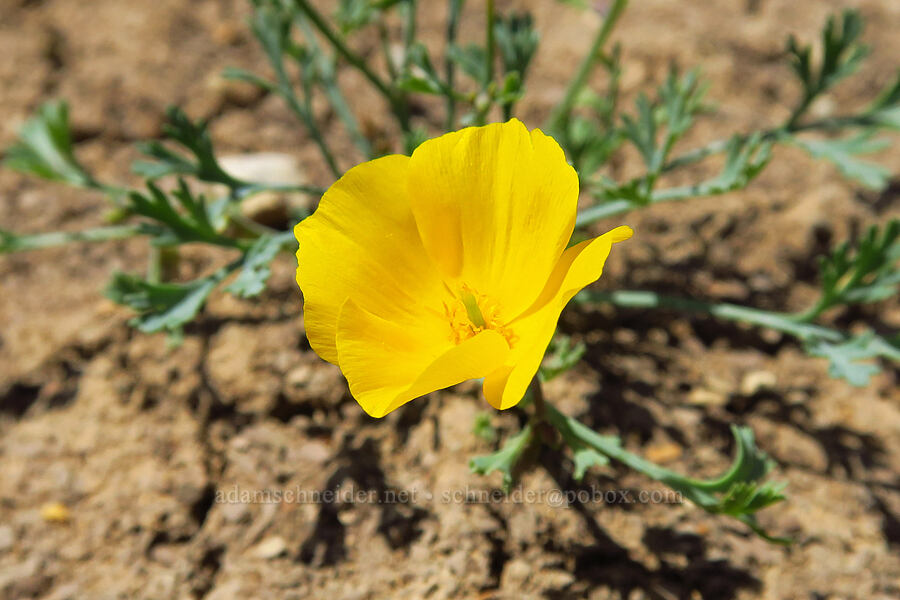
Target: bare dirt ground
{"x": 137, "y": 440}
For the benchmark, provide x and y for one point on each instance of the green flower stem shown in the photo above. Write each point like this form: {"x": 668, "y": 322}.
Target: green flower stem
{"x": 246, "y": 190}
{"x": 611, "y": 446}
{"x": 536, "y": 394}
{"x": 10, "y": 242}
{"x": 396, "y": 99}
{"x": 560, "y": 114}
{"x": 812, "y": 313}
{"x": 829, "y": 124}
{"x": 351, "y": 57}
{"x": 829, "y": 298}
{"x": 718, "y": 146}
{"x": 313, "y": 129}
{"x": 698, "y": 491}
{"x": 251, "y": 226}
{"x": 702, "y": 152}
{"x": 611, "y": 208}
{"x": 455, "y": 7}
{"x": 802, "y": 107}
{"x": 739, "y": 492}
{"x": 489, "y": 45}
{"x": 616, "y": 207}
{"x": 336, "y": 98}
{"x": 826, "y": 300}
{"x": 316, "y": 134}
{"x": 285, "y": 89}
{"x": 592, "y": 214}
{"x": 784, "y": 323}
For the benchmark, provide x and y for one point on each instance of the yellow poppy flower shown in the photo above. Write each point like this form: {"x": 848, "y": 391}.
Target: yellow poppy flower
{"x": 421, "y": 272}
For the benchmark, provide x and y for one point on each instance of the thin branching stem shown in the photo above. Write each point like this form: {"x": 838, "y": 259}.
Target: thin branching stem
{"x": 828, "y": 124}
{"x": 455, "y": 7}
{"x": 409, "y": 30}
{"x": 490, "y": 46}
{"x": 247, "y": 190}
{"x": 20, "y": 243}
{"x": 333, "y": 91}
{"x": 335, "y": 40}
{"x": 618, "y": 206}
{"x": 561, "y": 113}
{"x": 785, "y": 323}
{"x": 537, "y": 398}
{"x": 396, "y": 99}
{"x": 697, "y": 490}
{"x": 285, "y": 88}
{"x": 305, "y": 115}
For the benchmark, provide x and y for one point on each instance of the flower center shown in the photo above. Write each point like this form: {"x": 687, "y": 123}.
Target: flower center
{"x": 471, "y": 313}
{"x": 472, "y": 308}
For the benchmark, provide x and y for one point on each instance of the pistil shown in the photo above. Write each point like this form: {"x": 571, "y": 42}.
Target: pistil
{"x": 472, "y": 308}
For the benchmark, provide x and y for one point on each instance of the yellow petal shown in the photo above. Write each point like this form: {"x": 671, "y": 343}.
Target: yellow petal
{"x": 578, "y": 267}
{"x": 362, "y": 243}
{"x": 387, "y": 364}
{"x": 495, "y": 207}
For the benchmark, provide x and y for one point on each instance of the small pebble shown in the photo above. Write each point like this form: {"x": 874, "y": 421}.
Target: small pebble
{"x": 757, "y": 381}
{"x": 663, "y": 453}
{"x": 270, "y": 547}
{"x": 705, "y": 397}
{"x": 55, "y": 512}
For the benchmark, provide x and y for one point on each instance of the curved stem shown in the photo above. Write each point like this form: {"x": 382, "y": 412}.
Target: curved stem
{"x": 698, "y": 491}
{"x": 328, "y": 75}
{"x": 351, "y": 57}
{"x": 396, "y": 100}
{"x": 315, "y": 133}
{"x": 561, "y": 113}
{"x": 285, "y": 89}
{"x": 537, "y": 398}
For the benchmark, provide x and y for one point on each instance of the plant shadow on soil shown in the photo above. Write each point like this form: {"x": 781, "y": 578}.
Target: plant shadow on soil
{"x": 398, "y": 521}
{"x": 684, "y": 567}
{"x": 845, "y": 449}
